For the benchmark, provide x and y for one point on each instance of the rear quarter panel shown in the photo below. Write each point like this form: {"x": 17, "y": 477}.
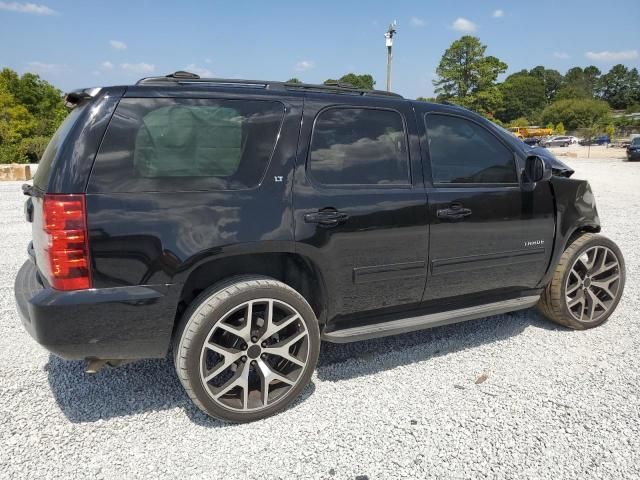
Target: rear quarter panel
{"x": 158, "y": 238}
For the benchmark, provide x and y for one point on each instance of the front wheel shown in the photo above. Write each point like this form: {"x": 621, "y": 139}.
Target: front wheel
{"x": 587, "y": 284}
{"x": 245, "y": 350}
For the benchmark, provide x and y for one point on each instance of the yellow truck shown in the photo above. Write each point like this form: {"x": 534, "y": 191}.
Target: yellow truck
{"x": 528, "y": 132}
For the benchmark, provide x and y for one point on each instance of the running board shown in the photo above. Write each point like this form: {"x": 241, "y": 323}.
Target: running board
{"x": 421, "y": 322}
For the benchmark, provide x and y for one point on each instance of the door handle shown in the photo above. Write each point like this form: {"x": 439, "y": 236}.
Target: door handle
{"x": 454, "y": 212}
{"x": 326, "y": 217}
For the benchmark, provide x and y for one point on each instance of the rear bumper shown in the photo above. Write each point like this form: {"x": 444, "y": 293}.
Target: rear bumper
{"x": 109, "y": 323}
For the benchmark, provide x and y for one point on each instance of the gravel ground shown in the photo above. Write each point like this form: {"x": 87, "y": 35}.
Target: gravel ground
{"x": 555, "y": 404}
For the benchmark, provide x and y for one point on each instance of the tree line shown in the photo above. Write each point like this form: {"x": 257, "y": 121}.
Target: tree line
{"x": 31, "y": 109}
{"x": 581, "y": 98}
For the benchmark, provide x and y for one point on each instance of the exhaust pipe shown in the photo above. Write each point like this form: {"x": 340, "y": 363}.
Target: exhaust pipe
{"x": 94, "y": 365}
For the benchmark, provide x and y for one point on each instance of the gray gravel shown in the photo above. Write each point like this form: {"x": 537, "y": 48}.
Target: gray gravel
{"x": 555, "y": 404}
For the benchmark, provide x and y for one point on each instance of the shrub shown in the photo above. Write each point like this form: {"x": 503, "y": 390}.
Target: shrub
{"x": 12, "y": 153}
{"x": 577, "y": 113}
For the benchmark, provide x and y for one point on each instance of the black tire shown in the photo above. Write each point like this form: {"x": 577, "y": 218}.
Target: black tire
{"x": 553, "y": 303}
{"x": 199, "y": 320}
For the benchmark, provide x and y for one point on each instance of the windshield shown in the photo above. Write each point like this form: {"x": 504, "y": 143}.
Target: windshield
{"x": 635, "y": 141}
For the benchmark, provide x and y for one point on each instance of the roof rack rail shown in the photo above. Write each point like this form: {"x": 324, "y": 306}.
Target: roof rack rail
{"x": 187, "y": 78}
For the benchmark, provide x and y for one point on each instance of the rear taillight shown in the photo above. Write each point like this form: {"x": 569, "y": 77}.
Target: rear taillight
{"x": 65, "y": 242}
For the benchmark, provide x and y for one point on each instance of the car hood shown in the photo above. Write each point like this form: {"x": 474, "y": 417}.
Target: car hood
{"x": 558, "y": 168}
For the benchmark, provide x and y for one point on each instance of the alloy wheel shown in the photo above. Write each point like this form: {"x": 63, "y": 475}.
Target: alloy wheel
{"x": 593, "y": 284}
{"x": 254, "y": 355}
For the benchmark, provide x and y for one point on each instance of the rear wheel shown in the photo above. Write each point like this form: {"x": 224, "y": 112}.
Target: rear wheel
{"x": 587, "y": 284}
{"x": 247, "y": 349}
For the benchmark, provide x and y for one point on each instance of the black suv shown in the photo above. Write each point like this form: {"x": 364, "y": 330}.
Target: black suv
{"x": 242, "y": 222}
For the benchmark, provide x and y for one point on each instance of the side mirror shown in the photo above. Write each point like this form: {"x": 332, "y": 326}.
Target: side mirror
{"x": 536, "y": 170}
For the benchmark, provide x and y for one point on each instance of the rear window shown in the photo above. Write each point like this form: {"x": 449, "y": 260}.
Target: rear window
{"x": 41, "y": 177}
{"x": 186, "y": 144}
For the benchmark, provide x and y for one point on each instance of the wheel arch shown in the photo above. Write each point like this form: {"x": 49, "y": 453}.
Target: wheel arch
{"x": 295, "y": 270}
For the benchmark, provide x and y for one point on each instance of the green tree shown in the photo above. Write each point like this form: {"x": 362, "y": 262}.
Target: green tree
{"x": 560, "y": 130}
{"x": 523, "y": 96}
{"x": 610, "y": 130}
{"x": 577, "y": 113}
{"x": 552, "y": 80}
{"x": 519, "y": 122}
{"x": 633, "y": 108}
{"x": 30, "y": 111}
{"x": 465, "y": 69}
{"x": 39, "y": 97}
{"x": 579, "y": 83}
{"x": 485, "y": 102}
{"x": 364, "y": 81}
{"x": 591, "y": 75}
{"x": 16, "y": 122}
{"x": 620, "y": 87}
{"x": 294, "y": 80}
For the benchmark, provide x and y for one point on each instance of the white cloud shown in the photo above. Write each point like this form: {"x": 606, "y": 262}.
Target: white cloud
{"x": 31, "y": 8}
{"x": 561, "y": 55}
{"x": 106, "y": 65}
{"x": 202, "y": 71}
{"x": 138, "y": 67}
{"x": 464, "y": 25}
{"x": 118, "y": 45}
{"x": 606, "y": 56}
{"x": 42, "y": 67}
{"x": 417, "y": 22}
{"x": 498, "y": 13}
{"x": 304, "y": 65}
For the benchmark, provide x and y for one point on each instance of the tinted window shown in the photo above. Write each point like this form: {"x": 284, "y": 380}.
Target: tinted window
{"x": 183, "y": 144}
{"x": 359, "y": 147}
{"x": 463, "y": 152}
{"x": 41, "y": 177}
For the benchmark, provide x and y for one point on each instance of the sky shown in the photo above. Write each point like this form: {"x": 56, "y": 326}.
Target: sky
{"x": 85, "y": 43}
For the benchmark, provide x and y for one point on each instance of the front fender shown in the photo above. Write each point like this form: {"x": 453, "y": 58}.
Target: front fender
{"x": 576, "y": 211}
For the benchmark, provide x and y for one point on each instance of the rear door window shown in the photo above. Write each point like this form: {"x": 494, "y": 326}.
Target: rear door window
{"x": 186, "y": 144}
{"x": 359, "y": 146}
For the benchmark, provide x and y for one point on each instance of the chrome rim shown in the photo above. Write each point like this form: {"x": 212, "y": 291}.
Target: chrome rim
{"x": 593, "y": 284}
{"x": 254, "y": 355}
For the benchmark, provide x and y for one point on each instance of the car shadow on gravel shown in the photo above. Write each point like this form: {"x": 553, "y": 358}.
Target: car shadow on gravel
{"x": 372, "y": 356}
{"x": 139, "y": 387}
{"x": 152, "y": 385}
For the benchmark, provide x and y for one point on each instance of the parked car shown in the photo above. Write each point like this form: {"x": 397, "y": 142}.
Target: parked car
{"x": 574, "y": 140}
{"x": 531, "y": 141}
{"x": 559, "y": 141}
{"x": 601, "y": 140}
{"x": 238, "y": 223}
{"x": 633, "y": 150}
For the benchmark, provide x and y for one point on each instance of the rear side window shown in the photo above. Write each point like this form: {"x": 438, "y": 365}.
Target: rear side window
{"x": 186, "y": 144}
{"x": 41, "y": 177}
{"x": 359, "y": 146}
{"x": 462, "y": 151}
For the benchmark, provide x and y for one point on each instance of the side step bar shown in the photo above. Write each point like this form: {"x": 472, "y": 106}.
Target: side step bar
{"x": 421, "y": 322}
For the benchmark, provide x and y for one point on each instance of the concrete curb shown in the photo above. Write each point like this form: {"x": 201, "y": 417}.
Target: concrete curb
{"x": 15, "y": 171}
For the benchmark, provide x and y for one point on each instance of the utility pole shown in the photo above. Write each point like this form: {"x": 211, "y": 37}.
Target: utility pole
{"x": 389, "y": 43}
